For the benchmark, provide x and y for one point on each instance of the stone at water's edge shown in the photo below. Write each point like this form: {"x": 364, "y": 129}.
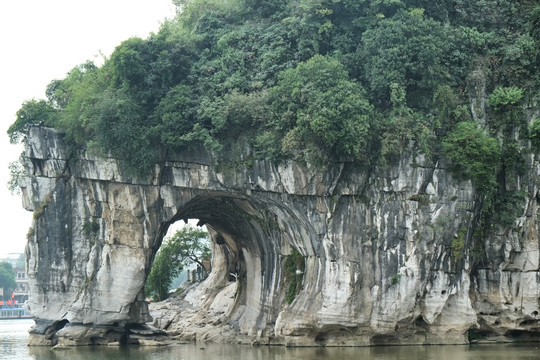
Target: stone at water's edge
{"x": 379, "y": 247}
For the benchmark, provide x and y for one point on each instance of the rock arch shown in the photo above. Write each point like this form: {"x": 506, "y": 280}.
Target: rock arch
{"x": 249, "y": 241}
{"x": 95, "y": 234}
{"x": 377, "y": 246}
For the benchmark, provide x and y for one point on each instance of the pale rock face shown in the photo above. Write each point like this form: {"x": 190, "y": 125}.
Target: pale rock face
{"x": 377, "y": 249}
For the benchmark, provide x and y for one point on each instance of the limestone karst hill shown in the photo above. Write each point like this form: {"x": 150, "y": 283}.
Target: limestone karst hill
{"x": 389, "y": 256}
{"x": 368, "y": 171}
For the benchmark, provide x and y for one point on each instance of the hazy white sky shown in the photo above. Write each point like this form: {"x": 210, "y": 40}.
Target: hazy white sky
{"x": 42, "y": 40}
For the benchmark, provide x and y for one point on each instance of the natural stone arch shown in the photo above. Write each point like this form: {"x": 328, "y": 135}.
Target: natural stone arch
{"x": 252, "y": 234}
{"x": 248, "y": 241}
{"x": 99, "y": 232}
{"x": 377, "y": 245}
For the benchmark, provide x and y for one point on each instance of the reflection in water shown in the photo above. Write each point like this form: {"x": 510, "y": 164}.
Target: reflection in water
{"x": 14, "y": 335}
{"x": 239, "y": 352}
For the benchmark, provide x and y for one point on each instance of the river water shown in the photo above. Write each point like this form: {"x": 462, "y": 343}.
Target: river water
{"x": 14, "y": 335}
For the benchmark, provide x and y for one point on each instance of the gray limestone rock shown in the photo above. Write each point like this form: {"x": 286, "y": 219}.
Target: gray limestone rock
{"x": 389, "y": 255}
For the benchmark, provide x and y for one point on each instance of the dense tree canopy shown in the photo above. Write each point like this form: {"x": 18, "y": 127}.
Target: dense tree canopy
{"x": 317, "y": 108}
{"x": 332, "y": 80}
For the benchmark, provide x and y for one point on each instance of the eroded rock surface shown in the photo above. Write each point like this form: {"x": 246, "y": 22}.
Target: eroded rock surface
{"x": 389, "y": 255}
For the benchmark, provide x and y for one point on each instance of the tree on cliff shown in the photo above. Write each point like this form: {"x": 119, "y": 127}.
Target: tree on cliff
{"x": 187, "y": 246}
{"x": 319, "y": 109}
{"x": 7, "y": 278}
{"x": 354, "y": 81}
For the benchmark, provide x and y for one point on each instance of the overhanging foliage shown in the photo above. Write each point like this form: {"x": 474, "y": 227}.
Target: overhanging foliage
{"x": 330, "y": 80}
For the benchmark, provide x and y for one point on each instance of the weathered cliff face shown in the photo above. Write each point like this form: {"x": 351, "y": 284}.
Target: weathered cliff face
{"x": 389, "y": 254}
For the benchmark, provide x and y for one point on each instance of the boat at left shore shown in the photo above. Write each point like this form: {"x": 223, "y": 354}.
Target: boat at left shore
{"x": 14, "y": 313}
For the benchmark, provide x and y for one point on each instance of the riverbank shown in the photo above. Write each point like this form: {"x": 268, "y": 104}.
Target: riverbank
{"x": 14, "y": 337}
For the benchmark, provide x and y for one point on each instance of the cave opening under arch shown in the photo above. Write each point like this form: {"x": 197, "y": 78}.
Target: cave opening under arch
{"x": 249, "y": 243}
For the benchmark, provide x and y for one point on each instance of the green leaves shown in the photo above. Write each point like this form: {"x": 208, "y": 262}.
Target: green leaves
{"x": 534, "y": 134}
{"x": 282, "y": 78}
{"x": 32, "y": 112}
{"x": 405, "y": 49}
{"x": 508, "y": 114}
{"x": 503, "y": 97}
{"x": 317, "y": 107}
{"x": 294, "y": 267}
{"x": 188, "y": 245}
{"x": 473, "y": 155}
{"x": 177, "y": 115}
{"x": 266, "y": 7}
{"x": 16, "y": 170}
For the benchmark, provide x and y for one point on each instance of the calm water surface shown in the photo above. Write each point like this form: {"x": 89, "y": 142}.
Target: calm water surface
{"x": 14, "y": 334}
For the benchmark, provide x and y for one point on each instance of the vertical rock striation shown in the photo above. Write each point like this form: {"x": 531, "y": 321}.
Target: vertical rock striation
{"x": 389, "y": 255}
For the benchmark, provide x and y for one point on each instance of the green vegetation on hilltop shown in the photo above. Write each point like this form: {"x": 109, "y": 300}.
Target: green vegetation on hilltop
{"x": 319, "y": 80}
